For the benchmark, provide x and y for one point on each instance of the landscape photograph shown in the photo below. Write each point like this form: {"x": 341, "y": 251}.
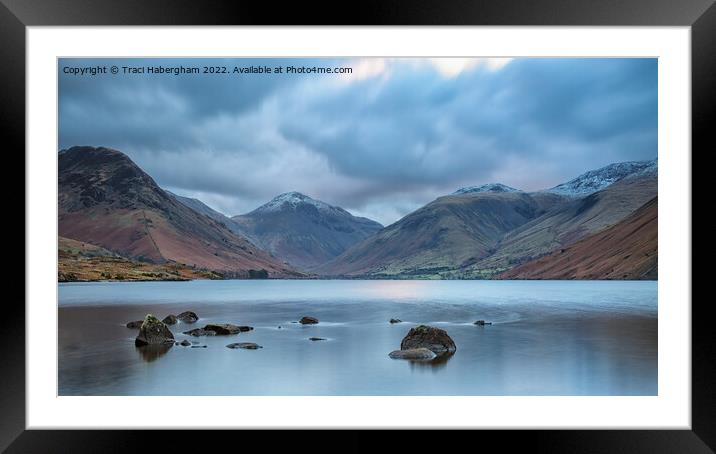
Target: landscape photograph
{"x": 357, "y": 226}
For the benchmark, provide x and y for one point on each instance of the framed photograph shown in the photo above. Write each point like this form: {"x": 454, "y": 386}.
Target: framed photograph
{"x": 448, "y": 225}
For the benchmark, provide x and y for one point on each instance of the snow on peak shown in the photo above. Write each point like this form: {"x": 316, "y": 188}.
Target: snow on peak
{"x": 596, "y": 180}
{"x": 292, "y": 200}
{"x": 490, "y": 187}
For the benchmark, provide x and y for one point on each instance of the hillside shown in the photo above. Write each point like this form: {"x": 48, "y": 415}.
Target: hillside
{"x": 84, "y": 262}
{"x": 626, "y": 250}
{"x": 451, "y": 232}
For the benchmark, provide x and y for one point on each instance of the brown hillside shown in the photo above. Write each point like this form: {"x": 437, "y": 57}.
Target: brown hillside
{"x": 626, "y": 250}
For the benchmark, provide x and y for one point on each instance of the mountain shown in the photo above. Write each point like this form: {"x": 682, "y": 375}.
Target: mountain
{"x": 566, "y": 223}
{"x": 626, "y": 250}
{"x": 105, "y": 199}
{"x": 596, "y": 180}
{"x": 303, "y": 231}
{"x": 490, "y": 187}
{"x": 451, "y": 232}
{"x": 482, "y": 231}
{"x": 200, "y": 207}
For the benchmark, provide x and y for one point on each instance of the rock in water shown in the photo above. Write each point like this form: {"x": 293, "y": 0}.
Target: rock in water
{"x": 482, "y": 323}
{"x": 413, "y": 353}
{"x": 185, "y": 343}
{"x": 170, "y": 320}
{"x": 135, "y": 325}
{"x": 196, "y": 332}
{"x": 188, "y": 317}
{"x": 227, "y": 328}
{"x": 245, "y": 345}
{"x": 308, "y": 321}
{"x": 395, "y": 320}
{"x": 221, "y": 329}
{"x": 434, "y": 339}
{"x": 316, "y": 338}
{"x": 153, "y": 332}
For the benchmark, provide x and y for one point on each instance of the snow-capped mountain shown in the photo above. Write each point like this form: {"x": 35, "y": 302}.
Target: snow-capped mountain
{"x": 303, "y": 231}
{"x": 490, "y": 187}
{"x": 293, "y": 200}
{"x": 596, "y": 180}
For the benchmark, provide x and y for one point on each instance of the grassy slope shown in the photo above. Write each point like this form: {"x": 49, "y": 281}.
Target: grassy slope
{"x": 80, "y": 261}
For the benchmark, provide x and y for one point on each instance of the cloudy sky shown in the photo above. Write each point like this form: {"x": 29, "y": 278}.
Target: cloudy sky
{"x": 381, "y": 141}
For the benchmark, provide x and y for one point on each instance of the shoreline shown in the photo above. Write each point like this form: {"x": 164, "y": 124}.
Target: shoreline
{"x": 341, "y": 278}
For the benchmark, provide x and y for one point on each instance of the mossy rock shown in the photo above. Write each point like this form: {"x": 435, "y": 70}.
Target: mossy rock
{"x": 153, "y": 332}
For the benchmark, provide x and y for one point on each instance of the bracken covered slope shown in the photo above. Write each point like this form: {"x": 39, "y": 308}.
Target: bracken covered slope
{"x": 107, "y": 200}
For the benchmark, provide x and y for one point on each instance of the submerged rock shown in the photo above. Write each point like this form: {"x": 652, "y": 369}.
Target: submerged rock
{"x": 170, "y": 320}
{"x": 153, "y": 332}
{"x": 198, "y": 346}
{"x": 413, "y": 353}
{"x": 395, "y": 320}
{"x": 482, "y": 323}
{"x": 135, "y": 325}
{"x": 227, "y": 328}
{"x": 185, "y": 343}
{"x": 188, "y": 317}
{"x": 316, "y": 338}
{"x": 245, "y": 345}
{"x": 434, "y": 339}
{"x": 308, "y": 321}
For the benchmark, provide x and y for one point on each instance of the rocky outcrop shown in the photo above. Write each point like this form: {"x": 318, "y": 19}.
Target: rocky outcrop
{"x": 308, "y": 321}
{"x": 188, "y": 317}
{"x": 244, "y": 345}
{"x": 482, "y": 323}
{"x": 135, "y": 325}
{"x": 170, "y": 320}
{"x": 413, "y": 353}
{"x": 153, "y": 332}
{"x": 395, "y": 320}
{"x": 434, "y": 339}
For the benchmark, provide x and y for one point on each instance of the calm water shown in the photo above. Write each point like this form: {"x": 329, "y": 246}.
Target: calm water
{"x": 547, "y": 338}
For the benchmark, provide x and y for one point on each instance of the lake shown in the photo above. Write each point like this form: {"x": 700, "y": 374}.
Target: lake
{"x": 546, "y": 338}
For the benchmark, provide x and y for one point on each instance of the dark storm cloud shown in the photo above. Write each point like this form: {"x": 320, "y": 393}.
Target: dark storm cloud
{"x": 383, "y": 141}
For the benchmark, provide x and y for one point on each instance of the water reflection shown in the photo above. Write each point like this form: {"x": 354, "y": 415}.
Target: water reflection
{"x": 151, "y": 353}
{"x": 434, "y": 364}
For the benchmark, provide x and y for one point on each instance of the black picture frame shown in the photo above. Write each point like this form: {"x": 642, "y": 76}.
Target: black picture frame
{"x": 700, "y": 15}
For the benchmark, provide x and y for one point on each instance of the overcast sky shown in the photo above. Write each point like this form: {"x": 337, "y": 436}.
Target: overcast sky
{"x": 380, "y": 142}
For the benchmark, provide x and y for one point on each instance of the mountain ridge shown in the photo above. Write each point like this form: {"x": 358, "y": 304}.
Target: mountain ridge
{"x": 595, "y": 180}
{"x": 454, "y": 249}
